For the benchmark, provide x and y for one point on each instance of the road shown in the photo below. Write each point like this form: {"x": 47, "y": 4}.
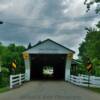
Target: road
{"x": 49, "y": 90}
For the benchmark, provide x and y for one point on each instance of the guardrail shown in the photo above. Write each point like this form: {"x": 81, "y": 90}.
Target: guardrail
{"x": 16, "y": 80}
{"x": 84, "y": 80}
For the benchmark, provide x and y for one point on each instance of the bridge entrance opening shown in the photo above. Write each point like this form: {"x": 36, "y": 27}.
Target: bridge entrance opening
{"x": 48, "y": 66}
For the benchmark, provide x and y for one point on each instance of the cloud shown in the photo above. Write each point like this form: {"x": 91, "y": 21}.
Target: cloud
{"x": 75, "y": 8}
{"x": 33, "y": 20}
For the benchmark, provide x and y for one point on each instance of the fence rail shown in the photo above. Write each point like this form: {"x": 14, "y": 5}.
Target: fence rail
{"x": 16, "y": 80}
{"x": 84, "y": 80}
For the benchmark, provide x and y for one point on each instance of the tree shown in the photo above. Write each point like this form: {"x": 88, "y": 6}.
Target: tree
{"x": 10, "y": 53}
{"x": 89, "y": 3}
{"x": 93, "y": 34}
{"x": 91, "y": 43}
{"x": 90, "y": 47}
{"x": 7, "y": 55}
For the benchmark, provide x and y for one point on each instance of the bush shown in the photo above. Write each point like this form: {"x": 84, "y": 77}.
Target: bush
{"x": 81, "y": 69}
{"x": 4, "y": 77}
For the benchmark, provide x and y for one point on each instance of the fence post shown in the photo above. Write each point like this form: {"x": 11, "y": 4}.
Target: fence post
{"x": 88, "y": 80}
{"x": 11, "y": 82}
{"x": 20, "y": 79}
{"x": 79, "y": 79}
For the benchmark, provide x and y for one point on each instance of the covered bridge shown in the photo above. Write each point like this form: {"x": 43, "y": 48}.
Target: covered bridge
{"x": 50, "y": 54}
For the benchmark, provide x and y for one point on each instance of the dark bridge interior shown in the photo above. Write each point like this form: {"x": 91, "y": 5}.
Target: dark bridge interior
{"x": 56, "y": 61}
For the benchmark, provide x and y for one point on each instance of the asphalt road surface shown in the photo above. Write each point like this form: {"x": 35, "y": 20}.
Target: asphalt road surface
{"x": 49, "y": 90}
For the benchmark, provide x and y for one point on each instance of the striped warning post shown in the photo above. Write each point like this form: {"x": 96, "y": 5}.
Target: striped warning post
{"x": 89, "y": 68}
{"x": 14, "y": 64}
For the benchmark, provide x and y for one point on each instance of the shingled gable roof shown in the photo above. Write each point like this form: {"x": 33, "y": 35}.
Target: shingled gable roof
{"x": 41, "y": 42}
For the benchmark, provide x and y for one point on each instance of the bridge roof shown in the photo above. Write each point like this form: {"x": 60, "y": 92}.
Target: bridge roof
{"x": 49, "y": 46}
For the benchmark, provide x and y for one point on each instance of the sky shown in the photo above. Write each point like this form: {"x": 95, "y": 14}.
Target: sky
{"x": 63, "y": 21}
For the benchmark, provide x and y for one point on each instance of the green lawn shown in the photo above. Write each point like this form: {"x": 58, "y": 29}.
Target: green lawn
{"x": 94, "y": 89}
{"x": 4, "y": 89}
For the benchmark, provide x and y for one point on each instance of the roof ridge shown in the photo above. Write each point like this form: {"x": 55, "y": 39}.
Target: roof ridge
{"x": 51, "y": 41}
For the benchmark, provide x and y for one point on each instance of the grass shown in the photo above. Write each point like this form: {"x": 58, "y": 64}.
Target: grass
{"x": 94, "y": 89}
{"x": 4, "y": 89}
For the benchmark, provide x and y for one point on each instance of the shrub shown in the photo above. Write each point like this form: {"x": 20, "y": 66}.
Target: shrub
{"x": 4, "y": 77}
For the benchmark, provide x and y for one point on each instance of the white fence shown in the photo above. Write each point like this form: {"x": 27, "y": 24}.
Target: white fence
{"x": 16, "y": 80}
{"x": 84, "y": 80}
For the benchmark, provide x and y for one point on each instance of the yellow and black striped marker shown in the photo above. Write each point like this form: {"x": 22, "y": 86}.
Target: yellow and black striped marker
{"x": 14, "y": 64}
{"x": 89, "y": 67}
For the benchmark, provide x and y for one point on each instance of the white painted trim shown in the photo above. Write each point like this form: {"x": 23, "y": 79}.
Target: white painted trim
{"x": 27, "y": 70}
{"x": 67, "y": 68}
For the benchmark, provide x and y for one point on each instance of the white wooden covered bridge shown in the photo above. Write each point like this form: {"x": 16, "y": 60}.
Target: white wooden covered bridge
{"x": 47, "y": 53}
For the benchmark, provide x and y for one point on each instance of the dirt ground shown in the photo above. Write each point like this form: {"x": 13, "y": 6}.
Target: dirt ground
{"x": 49, "y": 90}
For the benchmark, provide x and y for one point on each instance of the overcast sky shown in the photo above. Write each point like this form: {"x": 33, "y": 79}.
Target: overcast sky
{"x": 63, "y": 21}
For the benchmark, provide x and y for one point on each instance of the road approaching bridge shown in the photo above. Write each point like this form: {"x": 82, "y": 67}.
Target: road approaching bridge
{"x": 49, "y": 90}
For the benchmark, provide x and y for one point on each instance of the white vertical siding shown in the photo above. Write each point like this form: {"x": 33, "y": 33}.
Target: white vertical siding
{"x": 27, "y": 70}
{"x": 67, "y": 69}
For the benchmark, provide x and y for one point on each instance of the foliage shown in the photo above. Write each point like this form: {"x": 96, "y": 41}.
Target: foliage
{"x": 90, "y": 47}
{"x": 4, "y": 77}
{"x": 81, "y": 69}
{"x": 4, "y": 89}
{"x": 97, "y": 90}
{"x": 89, "y": 3}
{"x": 7, "y": 55}
{"x": 10, "y": 53}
